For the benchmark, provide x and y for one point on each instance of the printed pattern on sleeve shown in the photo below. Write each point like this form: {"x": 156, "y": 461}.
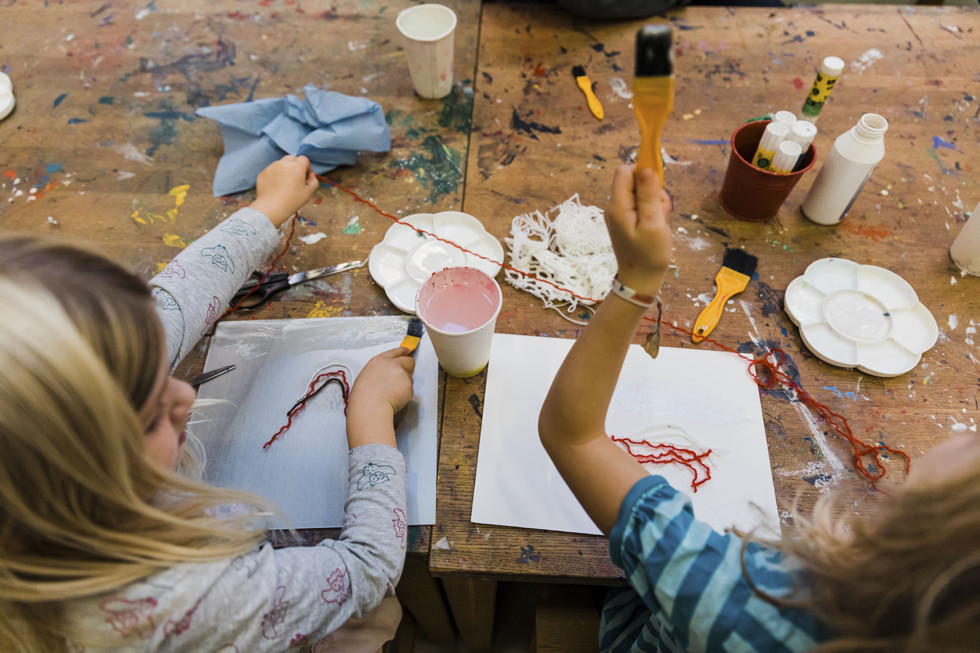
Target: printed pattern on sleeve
{"x": 193, "y": 290}
{"x": 267, "y": 600}
{"x": 687, "y": 591}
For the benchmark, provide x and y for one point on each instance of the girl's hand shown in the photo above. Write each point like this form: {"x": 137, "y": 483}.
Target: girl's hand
{"x": 284, "y": 187}
{"x": 638, "y": 225}
{"x": 382, "y": 389}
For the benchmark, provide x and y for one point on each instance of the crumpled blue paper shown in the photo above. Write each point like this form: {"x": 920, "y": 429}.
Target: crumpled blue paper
{"x": 327, "y": 127}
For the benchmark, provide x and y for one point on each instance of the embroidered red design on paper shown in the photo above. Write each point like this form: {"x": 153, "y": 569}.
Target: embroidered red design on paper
{"x": 171, "y": 627}
{"x": 338, "y": 588}
{"x": 276, "y": 615}
{"x": 130, "y": 618}
{"x": 400, "y": 524}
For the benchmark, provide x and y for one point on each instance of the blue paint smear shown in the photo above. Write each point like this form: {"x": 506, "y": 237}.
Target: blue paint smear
{"x": 56, "y": 167}
{"x": 58, "y": 100}
{"x": 75, "y": 121}
{"x": 841, "y": 395}
{"x": 938, "y": 142}
{"x": 696, "y": 141}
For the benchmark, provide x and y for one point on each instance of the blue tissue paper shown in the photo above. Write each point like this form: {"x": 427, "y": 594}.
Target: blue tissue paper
{"x": 327, "y": 127}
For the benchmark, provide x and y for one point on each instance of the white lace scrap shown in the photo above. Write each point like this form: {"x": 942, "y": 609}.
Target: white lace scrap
{"x": 569, "y": 246}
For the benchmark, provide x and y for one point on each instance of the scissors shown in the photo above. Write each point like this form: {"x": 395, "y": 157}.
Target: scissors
{"x": 279, "y": 281}
{"x": 207, "y": 376}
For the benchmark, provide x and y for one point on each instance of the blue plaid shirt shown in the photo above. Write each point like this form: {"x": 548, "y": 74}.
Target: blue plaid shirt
{"x": 687, "y": 591}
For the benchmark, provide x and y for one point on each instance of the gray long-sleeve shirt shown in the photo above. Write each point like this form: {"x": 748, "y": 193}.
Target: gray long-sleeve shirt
{"x": 266, "y": 600}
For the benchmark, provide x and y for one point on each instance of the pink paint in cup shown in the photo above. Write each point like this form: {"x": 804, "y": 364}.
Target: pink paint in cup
{"x": 459, "y": 307}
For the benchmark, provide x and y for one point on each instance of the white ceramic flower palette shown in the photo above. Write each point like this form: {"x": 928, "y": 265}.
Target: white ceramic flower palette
{"x": 861, "y": 316}
{"x": 405, "y": 258}
{"x": 6, "y": 96}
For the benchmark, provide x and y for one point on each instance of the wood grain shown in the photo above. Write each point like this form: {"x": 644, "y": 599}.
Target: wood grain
{"x": 534, "y": 144}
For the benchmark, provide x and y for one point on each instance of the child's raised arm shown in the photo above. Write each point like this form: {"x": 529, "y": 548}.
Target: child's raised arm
{"x": 573, "y": 417}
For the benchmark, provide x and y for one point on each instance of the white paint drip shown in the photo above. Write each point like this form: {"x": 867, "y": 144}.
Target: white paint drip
{"x": 123, "y": 174}
{"x": 953, "y": 321}
{"x": 958, "y": 427}
{"x": 443, "y": 544}
{"x": 865, "y": 60}
{"x": 671, "y": 160}
{"x": 836, "y": 466}
{"x": 313, "y": 238}
{"x": 132, "y": 154}
{"x": 620, "y": 88}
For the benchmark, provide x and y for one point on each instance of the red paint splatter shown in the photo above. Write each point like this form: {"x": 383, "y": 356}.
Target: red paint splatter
{"x": 874, "y": 233}
{"x": 539, "y": 71}
{"x": 798, "y": 83}
{"x": 10, "y": 173}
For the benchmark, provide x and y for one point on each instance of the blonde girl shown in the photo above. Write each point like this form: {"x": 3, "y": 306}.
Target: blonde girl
{"x": 103, "y": 545}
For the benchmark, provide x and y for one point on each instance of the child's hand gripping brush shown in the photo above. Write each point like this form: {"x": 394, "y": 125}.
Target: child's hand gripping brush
{"x": 653, "y": 92}
{"x": 737, "y": 269}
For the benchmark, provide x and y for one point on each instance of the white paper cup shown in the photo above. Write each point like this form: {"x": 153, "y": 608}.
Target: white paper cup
{"x": 427, "y": 32}
{"x": 965, "y": 250}
{"x": 459, "y": 308}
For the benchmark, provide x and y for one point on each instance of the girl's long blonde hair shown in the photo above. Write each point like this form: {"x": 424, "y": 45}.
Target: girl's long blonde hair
{"x": 906, "y": 578}
{"x": 83, "y": 510}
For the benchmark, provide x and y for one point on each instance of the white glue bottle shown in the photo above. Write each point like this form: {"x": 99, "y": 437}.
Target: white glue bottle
{"x": 855, "y": 154}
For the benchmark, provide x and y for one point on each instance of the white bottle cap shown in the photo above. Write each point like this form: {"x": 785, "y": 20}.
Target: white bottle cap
{"x": 784, "y": 117}
{"x": 832, "y": 67}
{"x": 775, "y": 132}
{"x": 786, "y": 157}
{"x": 802, "y": 132}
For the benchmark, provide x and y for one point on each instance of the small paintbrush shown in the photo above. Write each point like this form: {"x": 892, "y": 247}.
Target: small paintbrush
{"x": 414, "y": 335}
{"x": 585, "y": 84}
{"x": 653, "y": 92}
{"x": 737, "y": 269}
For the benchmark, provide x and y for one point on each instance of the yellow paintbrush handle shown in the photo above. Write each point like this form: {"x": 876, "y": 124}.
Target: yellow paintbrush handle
{"x": 729, "y": 283}
{"x": 594, "y": 105}
{"x": 653, "y": 99}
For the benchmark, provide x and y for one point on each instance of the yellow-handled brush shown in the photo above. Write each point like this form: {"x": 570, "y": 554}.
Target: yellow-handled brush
{"x": 585, "y": 84}
{"x": 653, "y": 92}
{"x": 737, "y": 269}
{"x": 414, "y": 335}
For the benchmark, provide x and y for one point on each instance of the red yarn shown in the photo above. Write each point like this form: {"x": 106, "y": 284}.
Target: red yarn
{"x": 770, "y": 362}
{"x": 337, "y": 376}
{"x": 668, "y": 453}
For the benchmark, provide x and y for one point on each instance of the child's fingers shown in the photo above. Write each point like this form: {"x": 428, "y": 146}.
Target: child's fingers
{"x": 649, "y": 198}
{"x": 623, "y": 198}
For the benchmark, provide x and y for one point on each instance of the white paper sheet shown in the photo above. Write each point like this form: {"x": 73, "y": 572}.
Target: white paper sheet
{"x": 304, "y": 472}
{"x": 690, "y": 398}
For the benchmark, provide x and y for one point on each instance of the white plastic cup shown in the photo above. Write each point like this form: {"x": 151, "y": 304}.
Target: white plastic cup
{"x": 459, "y": 308}
{"x": 965, "y": 250}
{"x": 427, "y": 32}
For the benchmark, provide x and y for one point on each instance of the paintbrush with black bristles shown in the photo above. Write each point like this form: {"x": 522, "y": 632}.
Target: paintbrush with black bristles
{"x": 737, "y": 269}
{"x": 414, "y": 335}
{"x": 584, "y": 83}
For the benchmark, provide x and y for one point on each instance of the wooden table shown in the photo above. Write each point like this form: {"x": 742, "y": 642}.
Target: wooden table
{"x": 104, "y": 148}
{"x": 104, "y": 134}
{"x": 534, "y": 143}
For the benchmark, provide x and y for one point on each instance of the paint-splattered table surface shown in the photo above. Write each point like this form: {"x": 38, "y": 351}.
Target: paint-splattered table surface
{"x": 104, "y": 148}
{"x": 534, "y": 144}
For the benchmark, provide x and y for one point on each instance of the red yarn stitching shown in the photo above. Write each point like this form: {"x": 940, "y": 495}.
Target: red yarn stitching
{"x": 337, "y": 376}
{"x": 668, "y": 453}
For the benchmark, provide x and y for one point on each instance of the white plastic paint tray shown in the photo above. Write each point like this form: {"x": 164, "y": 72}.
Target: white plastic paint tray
{"x": 860, "y": 316}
